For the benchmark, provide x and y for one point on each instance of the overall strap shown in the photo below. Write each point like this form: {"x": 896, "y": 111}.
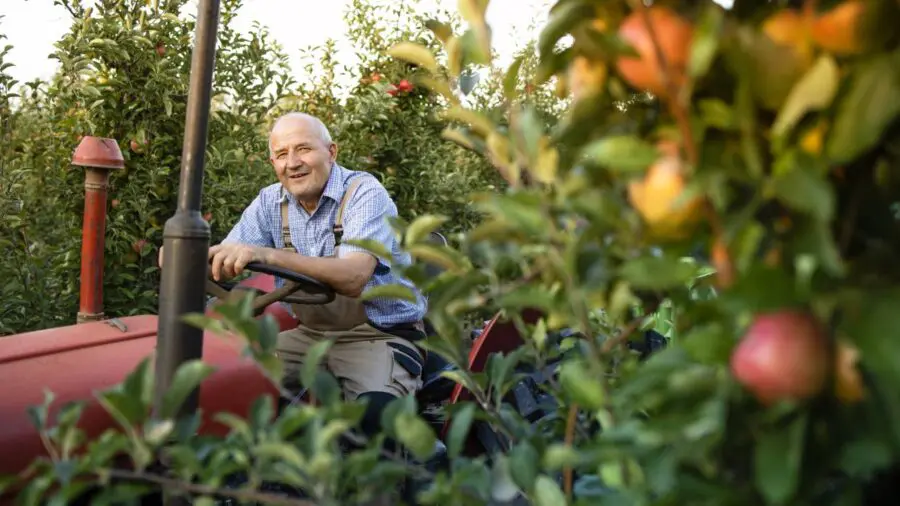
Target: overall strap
{"x": 338, "y": 229}
{"x": 286, "y": 226}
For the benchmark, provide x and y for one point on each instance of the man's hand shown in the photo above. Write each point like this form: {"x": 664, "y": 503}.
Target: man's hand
{"x": 228, "y": 260}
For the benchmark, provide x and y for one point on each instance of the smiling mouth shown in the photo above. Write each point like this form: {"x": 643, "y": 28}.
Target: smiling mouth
{"x": 297, "y": 176}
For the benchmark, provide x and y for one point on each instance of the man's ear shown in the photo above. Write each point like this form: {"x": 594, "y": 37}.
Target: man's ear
{"x": 333, "y": 149}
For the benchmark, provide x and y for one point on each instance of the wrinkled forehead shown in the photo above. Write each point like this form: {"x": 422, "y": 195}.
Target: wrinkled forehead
{"x": 290, "y": 132}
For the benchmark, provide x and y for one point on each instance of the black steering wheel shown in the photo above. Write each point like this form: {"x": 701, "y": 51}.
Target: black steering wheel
{"x": 314, "y": 291}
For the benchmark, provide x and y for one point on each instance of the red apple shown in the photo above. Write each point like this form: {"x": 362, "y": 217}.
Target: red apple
{"x": 783, "y": 356}
{"x": 139, "y": 245}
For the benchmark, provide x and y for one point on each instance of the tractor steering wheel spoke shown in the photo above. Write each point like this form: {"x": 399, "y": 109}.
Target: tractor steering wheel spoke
{"x": 314, "y": 292}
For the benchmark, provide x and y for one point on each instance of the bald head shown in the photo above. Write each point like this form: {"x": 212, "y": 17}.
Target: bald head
{"x": 308, "y": 122}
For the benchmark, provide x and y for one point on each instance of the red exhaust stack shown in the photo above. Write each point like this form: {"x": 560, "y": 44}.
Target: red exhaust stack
{"x": 99, "y": 156}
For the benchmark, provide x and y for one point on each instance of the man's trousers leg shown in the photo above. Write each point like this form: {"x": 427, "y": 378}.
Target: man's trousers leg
{"x": 367, "y": 362}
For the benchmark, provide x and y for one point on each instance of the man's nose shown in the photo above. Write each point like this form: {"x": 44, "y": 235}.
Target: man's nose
{"x": 294, "y": 160}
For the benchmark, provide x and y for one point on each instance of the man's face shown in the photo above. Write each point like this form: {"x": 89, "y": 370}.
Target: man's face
{"x": 302, "y": 160}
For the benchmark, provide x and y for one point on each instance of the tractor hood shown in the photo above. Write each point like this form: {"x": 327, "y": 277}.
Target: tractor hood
{"x": 76, "y": 361}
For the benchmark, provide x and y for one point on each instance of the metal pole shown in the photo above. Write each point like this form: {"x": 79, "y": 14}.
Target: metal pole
{"x": 186, "y": 234}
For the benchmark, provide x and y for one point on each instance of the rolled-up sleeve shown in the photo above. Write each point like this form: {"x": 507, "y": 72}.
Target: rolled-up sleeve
{"x": 366, "y": 218}
{"x": 252, "y": 228}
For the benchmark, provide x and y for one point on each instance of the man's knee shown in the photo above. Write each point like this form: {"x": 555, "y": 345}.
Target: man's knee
{"x": 377, "y": 366}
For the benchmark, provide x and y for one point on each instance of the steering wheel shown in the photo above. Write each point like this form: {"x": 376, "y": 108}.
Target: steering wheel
{"x": 314, "y": 292}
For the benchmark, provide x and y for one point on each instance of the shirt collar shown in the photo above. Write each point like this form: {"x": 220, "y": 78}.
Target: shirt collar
{"x": 334, "y": 187}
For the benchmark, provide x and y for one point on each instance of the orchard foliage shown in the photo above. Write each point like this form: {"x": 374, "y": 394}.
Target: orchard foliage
{"x": 753, "y": 191}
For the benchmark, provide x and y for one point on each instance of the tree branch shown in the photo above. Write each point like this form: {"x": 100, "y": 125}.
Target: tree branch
{"x": 243, "y": 495}
{"x": 570, "y": 436}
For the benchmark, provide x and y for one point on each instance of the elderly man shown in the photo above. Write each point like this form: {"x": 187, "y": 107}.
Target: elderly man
{"x": 302, "y": 224}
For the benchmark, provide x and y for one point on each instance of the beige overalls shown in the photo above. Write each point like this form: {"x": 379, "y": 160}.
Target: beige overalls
{"x": 362, "y": 358}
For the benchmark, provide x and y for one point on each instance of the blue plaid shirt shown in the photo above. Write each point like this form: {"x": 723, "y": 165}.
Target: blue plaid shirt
{"x": 365, "y": 217}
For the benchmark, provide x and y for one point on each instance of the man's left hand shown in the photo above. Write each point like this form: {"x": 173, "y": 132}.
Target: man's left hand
{"x": 228, "y": 260}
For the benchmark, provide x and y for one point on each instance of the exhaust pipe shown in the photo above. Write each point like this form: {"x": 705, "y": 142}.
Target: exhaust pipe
{"x": 186, "y": 234}
{"x": 98, "y": 155}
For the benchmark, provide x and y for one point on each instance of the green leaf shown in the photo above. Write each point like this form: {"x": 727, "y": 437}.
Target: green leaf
{"x": 815, "y": 90}
{"x": 869, "y": 105}
{"x": 760, "y": 289}
{"x": 803, "y": 188}
{"x": 422, "y": 227}
{"x": 708, "y": 344}
{"x": 375, "y": 247}
{"x": 139, "y": 383}
{"x": 558, "y": 456}
{"x": 459, "y": 137}
{"x": 511, "y": 79}
{"x": 281, "y": 452}
{"x": 6, "y": 481}
{"x": 463, "y": 378}
{"x": 816, "y": 238}
{"x": 658, "y": 273}
{"x": 503, "y": 488}
{"x": 621, "y": 153}
{"x": 477, "y": 121}
{"x": 523, "y": 465}
{"x": 156, "y": 432}
{"x": 124, "y": 408}
{"x": 390, "y": 291}
{"x": 705, "y": 42}
{"x": 473, "y": 11}
{"x": 415, "y": 434}
{"x": 547, "y": 492}
{"x": 441, "y": 30}
{"x": 777, "y": 458}
{"x": 439, "y": 86}
{"x": 414, "y": 53}
{"x": 770, "y": 69}
{"x": 528, "y": 296}
{"x": 441, "y": 256}
{"x": 577, "y": 382}
{"x": 527, "y": 132}
{"x": 459, "y": 429}
{"x": 717, "y": 114}
{"x": 563, "y": 19}
{"x": 187, "y": 378}
{"x": 314, "y": 356}
{"x": 38, "y": 414}
{"x": 871, "y": 325}
{"x": 92, "y": 91}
